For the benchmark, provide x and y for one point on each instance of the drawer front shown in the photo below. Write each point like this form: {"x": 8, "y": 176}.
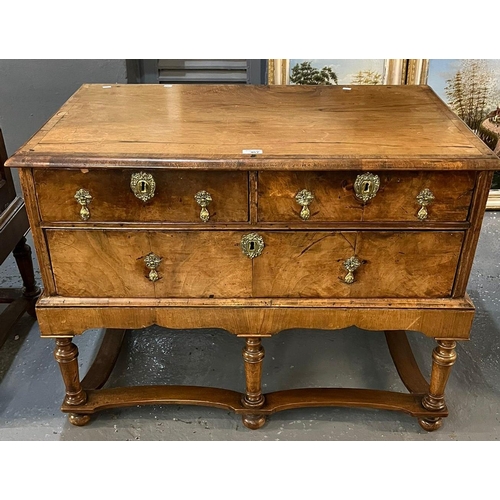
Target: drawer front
{"x": 391, "y": 264}
{"x": 335, "y": 196}
{"x": 212, "y": 264}
{"x": 99, "y": 263}
{"x": 114, "y": 201}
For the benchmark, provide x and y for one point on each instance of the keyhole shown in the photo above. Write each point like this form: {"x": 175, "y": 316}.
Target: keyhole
{"x": 252, "y": 245}
{"x": 366, "y": 187}
{"x": 143, "y": 186}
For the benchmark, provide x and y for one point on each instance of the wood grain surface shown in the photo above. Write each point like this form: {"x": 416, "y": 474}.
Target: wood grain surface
{"x": 326, "y": 124}
{"x": 113, "y": 199}
{"x": 439, "y": 321}
{"x": 111, "y": 264}
{"x": 335, "y": 199}
{"x": 211, "y": 264}
{"x": 393, "y": 264}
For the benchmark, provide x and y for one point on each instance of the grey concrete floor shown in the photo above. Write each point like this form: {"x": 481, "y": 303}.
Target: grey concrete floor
{"x": 31, "y": 388}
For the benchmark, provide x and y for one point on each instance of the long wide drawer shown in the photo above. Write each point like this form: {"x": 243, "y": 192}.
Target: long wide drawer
{"x": 225, "y": 264}
{"x": 357, "y": 196}
{"x": 162, "y": 196}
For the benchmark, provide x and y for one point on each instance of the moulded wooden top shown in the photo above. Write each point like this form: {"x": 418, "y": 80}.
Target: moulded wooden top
{"x": 210, "y": 126}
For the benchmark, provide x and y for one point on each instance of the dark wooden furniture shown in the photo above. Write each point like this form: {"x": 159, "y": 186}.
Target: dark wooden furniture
{"x": 13, "y": 228}
{"x": 256, "y": 210}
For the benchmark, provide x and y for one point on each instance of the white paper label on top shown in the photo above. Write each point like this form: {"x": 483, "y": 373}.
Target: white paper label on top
{"x": 252, "y": 151}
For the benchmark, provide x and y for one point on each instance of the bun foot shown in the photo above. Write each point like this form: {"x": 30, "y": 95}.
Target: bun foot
{"x": 430, "y": 424}
{"x": 253, "y": 421}
{"x": 78, "y": 419}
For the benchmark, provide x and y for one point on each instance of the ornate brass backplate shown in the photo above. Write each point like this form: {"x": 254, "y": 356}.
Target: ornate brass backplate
{"x": 304, "y": 198}
{"x": 366, "y": 186}
{"x": 252, "y": 245}
{"x": 143, "y": 185}
{"x": 83, "y": 197}
{"x": 424, "y": 198}
{"x": 203, "y": 199}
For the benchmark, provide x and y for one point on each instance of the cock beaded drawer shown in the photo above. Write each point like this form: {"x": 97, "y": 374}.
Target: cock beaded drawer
{"x": 255, "y": 209}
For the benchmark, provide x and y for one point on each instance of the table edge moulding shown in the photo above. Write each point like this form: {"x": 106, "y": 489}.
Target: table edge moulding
{"x": 334, "y": 212}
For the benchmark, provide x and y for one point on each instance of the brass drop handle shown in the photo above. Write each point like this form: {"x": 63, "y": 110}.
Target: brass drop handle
{"x": 252, "y": 245}
{"x": 351, "y": 264}
{"x": 424, "y": 198}
{"x": 83, "y": 197}
{"x": 203, "y": 199}
{"x": 152, "y": 262}
{"x": 142, "y": 185}
{"x": 366, "y": 186}
{"x": 304, "y": 198}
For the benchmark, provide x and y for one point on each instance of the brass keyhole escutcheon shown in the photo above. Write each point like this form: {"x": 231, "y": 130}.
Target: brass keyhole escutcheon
{"x": 366, "y": 186}
{"x": 83, "y": 197}
{"x": 252, "y": 245}
{"x": 152, "y": 262}
{"x": 143, "y": 185}
{"x": 203, "y": 198}
{"x": 304, "y": 198}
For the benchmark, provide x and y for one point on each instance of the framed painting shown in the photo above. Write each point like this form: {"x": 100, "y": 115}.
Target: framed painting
{"x": 337, "y": 71}
{"x": 471, "y": 88}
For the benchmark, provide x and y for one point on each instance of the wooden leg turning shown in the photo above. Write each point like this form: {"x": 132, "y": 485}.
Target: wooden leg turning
{"x": 23, "y": 257}
{"x": 443, "y": 358}
{"x": 66, "y": 354}
{"x": 253, "y": 354}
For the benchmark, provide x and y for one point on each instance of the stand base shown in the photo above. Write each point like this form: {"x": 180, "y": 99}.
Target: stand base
{"x": 102, "y": 399}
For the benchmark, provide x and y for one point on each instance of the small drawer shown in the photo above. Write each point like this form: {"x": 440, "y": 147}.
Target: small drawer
{"x": 114, "y": 263}
{"x": 389, "y": 196}
{"x": 162, "y": 196}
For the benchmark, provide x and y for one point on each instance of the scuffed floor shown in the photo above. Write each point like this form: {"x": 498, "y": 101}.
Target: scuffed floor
{"x": 31, "y": 388}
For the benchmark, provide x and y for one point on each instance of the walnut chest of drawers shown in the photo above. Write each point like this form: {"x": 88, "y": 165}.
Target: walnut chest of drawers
{"x": 255, "y": 209}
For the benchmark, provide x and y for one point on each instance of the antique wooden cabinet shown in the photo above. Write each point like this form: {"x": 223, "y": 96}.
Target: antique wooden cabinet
{"x": 256, "y": 209}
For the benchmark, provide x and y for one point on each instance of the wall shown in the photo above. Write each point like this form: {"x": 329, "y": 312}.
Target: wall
{"x": 31, "y": 91}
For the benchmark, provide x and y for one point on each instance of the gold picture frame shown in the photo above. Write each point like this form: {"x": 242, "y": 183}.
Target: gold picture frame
{"x": 417, "y": 71}
{"x": 279, "y": 71}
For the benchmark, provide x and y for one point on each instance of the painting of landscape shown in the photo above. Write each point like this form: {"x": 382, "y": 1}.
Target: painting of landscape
{"x": 337, "y": 71}
{"x": 471, "y": 88}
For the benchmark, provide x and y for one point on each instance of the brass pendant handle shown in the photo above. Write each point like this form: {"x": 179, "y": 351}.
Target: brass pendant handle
{"x": 152, "y": 262}
{"x": 366, "y": 186}
{"x": 203, "y": 199}
{"x": 83, "y": 197}
{"x": 424, "y": 198}
{"x": 142, "y": 185}
{"x": 252, "y": 245}
{"x": 350, "y": 265}
{"x": 304, "y": 198}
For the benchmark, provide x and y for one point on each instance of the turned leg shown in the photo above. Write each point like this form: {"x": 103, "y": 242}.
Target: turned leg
{"x": 443, "y": 358}
{"x": 24, "y": 261}
{"x": 253, "y": 354}
{"x": 66, "y": 354}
